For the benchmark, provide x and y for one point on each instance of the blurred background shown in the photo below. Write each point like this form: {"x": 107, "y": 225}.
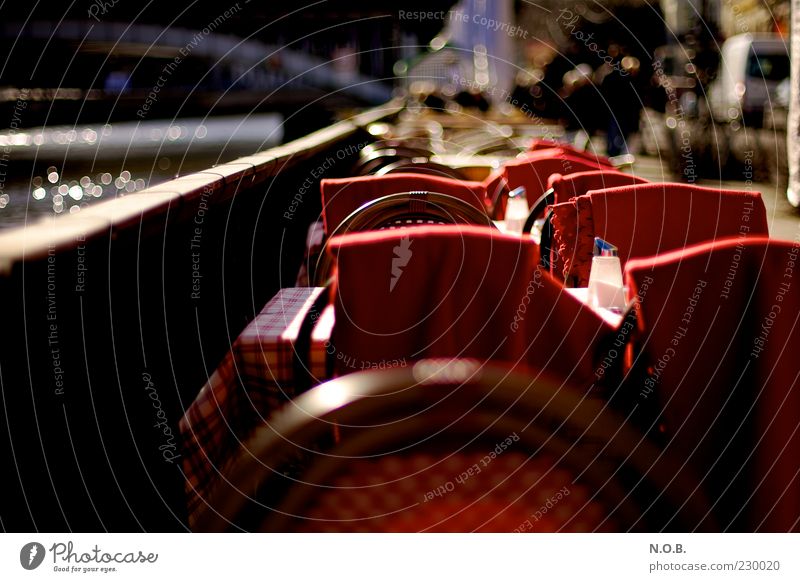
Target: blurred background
{"x": 105, "y": 98}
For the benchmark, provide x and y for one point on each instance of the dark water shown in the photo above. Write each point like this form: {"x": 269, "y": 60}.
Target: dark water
{"x": 55, "y": 171}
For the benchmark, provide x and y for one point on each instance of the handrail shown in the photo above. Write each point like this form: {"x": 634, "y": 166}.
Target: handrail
{"x": 218, "y": 183}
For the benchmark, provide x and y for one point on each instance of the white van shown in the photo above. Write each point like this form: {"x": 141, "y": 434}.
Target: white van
{"x": 751, "y": 68}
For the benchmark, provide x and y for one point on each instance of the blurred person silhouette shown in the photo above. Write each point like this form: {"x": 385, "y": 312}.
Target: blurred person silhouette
{"x": 521, "y": 95}
{"x": 580, "y": 99}
{"x": 619, "y": 89}
{"x": 531, "y": 96}
{"x": 553, "y": 71}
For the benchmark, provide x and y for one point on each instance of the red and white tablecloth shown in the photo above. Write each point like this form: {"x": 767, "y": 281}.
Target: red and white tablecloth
{"x": 255, "y": 378}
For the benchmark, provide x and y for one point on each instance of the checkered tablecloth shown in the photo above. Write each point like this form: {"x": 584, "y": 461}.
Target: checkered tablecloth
{"x": 254, "y": 379}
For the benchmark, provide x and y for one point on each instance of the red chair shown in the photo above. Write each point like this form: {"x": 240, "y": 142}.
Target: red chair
{"x": 496, "y": 185}
{"x": 717, "y": 327}
{"x": 566, "y": 186}
{"x": 457, "y": 291}
{"x": 562, "y": 187}
{"x": 534, "y": 169}
{"x": 544, "y": 144}
{"x": 340, "y": 197}
{"x": 648, "y": 219}
{"x": 453, "y": 446}
{"x": 403, "y": 210}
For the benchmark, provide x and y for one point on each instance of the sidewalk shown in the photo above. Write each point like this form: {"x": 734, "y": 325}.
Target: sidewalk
{"x": 784, "y": 221}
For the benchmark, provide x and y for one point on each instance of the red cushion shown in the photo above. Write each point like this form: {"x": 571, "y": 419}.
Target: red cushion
{"x": 647, "y": 219}
{"x": 579, "y": 183}
{"x": 539, "y": 145}
{"x": 543, "y": 144}
{"x": 342, "y": 196}
{"x": 532, "y": 170}
{"x": 573, "y": 241}
{"x": 456, "y": 291}
{"x": 719, "y": 323}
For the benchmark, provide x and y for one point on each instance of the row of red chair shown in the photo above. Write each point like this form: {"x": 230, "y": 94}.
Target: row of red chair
{"x": 709, "y": 350}
{"x": 341, "y": 197}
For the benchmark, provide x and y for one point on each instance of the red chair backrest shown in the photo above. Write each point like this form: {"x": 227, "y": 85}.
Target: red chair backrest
{"x": 543, "y": 144}
{"x": 648, "y": 219}
{"x": 539, "y": 145}
{"x": 569, "y": 158}
{"x": 579, "y": 183}
{"x": 456, "y": 291}
{"x": 532, "y": 170}
{"x": 341, "y": 196}
{"x": 718, "y": 323}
